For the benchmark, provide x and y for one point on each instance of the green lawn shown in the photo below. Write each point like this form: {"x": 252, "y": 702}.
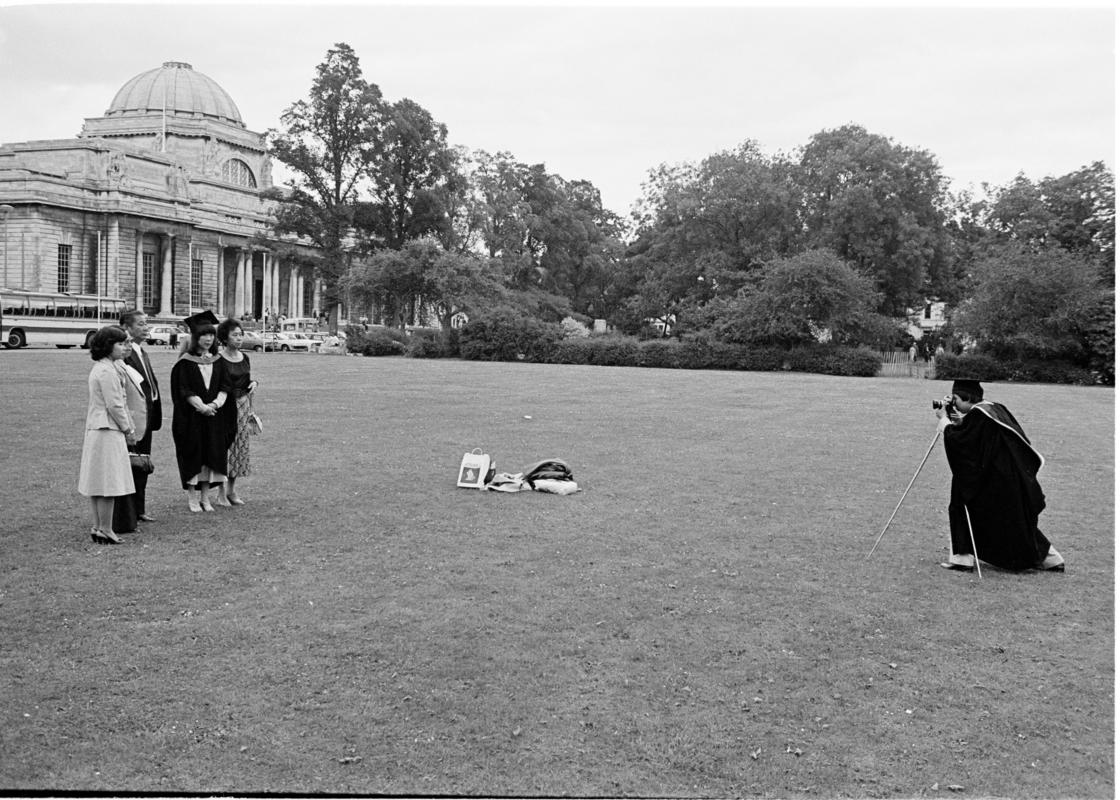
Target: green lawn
{"x": 701, "y": 620}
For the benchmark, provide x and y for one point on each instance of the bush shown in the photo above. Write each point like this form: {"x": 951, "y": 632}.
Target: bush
{"x": 703, "y": 354}
{"x": 572, "y": 351}
{"x": 615, "y": 351}
{"x": 663, "y": 353}
{"x": 433, "y": 344}
{"x": 982, "y": 367}
{"x": 377, "y": 341}
{"x": 972, "y": 365}
{"x": 572, "y": 328}
{"x": 830, "y": 360}
{"x": 1051, "y": 372}
{"x": 507, "y": 337}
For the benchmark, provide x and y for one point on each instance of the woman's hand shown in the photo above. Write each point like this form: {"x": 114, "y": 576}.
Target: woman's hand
{"x": 130, "y": 438}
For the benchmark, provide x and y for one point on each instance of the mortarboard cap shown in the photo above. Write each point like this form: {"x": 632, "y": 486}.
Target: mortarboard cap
{"x": 196, "y": 321}
{"x": 968, "y": 385}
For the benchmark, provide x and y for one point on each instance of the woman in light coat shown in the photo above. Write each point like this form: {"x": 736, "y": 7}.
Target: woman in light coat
{"x": 105, "y": 473}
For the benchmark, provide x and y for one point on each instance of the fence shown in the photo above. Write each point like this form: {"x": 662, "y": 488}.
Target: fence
{"x": 897, "y": 364}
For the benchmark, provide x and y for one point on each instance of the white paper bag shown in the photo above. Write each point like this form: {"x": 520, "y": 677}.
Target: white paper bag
{"x": 474, "y": 469}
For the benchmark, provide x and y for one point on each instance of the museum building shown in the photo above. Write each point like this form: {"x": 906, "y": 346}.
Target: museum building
{"x": 159, "y": 203}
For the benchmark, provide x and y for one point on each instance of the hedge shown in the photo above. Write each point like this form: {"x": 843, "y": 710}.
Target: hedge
{"x": 986, "y": 368}
{"x": 377, "y": 341}
{"x": 509, "y": 339}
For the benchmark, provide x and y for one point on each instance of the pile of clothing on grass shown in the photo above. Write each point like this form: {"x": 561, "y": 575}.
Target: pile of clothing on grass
{"x": 550, "y": 475}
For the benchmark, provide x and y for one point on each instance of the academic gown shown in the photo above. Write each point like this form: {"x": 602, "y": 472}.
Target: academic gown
{"x": 199, "y": 439}
{"x": 994, "y": 476}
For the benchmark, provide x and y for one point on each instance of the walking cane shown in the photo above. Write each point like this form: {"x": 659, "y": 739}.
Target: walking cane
{"x": 972, "y": 538}
{"x": 896, "y": 508}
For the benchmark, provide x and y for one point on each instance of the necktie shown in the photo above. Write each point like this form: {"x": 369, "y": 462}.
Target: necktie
{"x": 148, "y": 374}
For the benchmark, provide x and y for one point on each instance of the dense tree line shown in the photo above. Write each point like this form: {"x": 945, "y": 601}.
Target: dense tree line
{"x": 836, "y": 242}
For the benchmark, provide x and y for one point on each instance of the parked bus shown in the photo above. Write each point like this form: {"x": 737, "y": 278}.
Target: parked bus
{"x": 299, "y": 325}
{"x": 64, "y": 320}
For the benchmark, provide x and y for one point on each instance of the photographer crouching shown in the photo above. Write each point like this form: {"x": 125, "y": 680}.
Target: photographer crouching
{"x": 995, "y": 497}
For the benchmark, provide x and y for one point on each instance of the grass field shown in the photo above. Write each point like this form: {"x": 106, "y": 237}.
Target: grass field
{"x": 701, "y": 620}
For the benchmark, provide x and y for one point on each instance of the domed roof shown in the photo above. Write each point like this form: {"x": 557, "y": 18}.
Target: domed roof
{"x": 180, "y": 89}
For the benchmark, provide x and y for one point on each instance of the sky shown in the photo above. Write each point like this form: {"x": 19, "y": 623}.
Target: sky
{"x": 606, "y": 94}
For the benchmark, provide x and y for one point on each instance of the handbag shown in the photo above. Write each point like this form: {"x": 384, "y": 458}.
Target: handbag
{"x": 141, "y": 462}
{"x": 475, "y": 469}
{"x": 255, "y": 424}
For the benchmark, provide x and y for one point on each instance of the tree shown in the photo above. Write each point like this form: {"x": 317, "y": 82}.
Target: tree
{"x": 1075, "y": 212}
{"x": 424, "y": 275}
{"x": 807, "y": 298}
{"x": 1029, "y": 303}
{"x": 327, "y": 142}
{"x": 879, "y": 206}
{"x": 412, "y": 174}
{"x": 722, "y": 218}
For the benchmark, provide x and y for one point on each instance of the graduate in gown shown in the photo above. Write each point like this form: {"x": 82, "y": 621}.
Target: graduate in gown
{"x": 995, "y": 486}
{"x": 200, "y": 387}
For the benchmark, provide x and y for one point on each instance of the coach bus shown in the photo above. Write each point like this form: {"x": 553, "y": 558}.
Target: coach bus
{"x": 61, "y": 319}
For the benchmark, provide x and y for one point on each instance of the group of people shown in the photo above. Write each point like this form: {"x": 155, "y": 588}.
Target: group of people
{"x": 994, "y": 504}
{"x": 211, "y": 390}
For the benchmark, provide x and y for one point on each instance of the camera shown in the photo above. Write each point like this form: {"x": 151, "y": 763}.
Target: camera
{"x": 945, "y": 403}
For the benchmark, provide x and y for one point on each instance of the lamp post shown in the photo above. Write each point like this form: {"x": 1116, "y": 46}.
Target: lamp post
{"x": 5, "y": 210}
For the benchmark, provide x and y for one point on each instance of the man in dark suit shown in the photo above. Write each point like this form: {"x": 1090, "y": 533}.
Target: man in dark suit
{"x": 135, "y": 322}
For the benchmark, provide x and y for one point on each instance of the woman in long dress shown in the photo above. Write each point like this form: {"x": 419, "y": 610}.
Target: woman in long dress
{"x": 230, "y": 334}
{"x": 105, "y": 473}
{"x": 200, "y": 388}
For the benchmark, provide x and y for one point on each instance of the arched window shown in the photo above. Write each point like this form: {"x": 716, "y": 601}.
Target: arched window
{"x": 237, "y": 171}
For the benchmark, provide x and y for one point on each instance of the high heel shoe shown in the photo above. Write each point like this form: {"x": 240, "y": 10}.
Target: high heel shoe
{"x": 235, "y": 500}
{"x": 104, "y": 537}
{"x": 194, "y": 506}
{"x": 206, "y": 506}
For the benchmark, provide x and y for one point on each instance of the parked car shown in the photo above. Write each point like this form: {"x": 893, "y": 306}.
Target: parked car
{"x": 252, "y": 341}
{"x": 289, "y": 341}
{"x": 327, "y": 339}
{"x": 162, "y": 334}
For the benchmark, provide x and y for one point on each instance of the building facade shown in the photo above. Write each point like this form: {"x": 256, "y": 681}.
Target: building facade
{"x": 158, "y": 202}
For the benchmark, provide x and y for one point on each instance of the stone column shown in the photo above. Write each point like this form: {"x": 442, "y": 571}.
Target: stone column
{"x": 269, "y": 289}
{"x": 299, "y": 296}
{"x": 266, "y": 284}
{"x": 276, "y": 286}
{"x": 239, "y": 285}
{"x": 246, "y": 284}
{"x": 165, "y": 277}
{"x": 221, "y": 301}
{"x": 112, "y": 261}
{"x": 317, "y": 296}
{"x": 139, "y": 268}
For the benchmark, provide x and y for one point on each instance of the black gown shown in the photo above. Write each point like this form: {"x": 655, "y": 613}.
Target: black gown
{"x": 995, "y": 472}
{"x": 199, "y": 440}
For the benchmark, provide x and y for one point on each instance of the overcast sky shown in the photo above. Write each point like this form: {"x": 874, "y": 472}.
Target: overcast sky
{"x": 606, "y": 94}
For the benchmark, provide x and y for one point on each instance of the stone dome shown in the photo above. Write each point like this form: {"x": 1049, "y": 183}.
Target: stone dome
{"x": 184, "y": 91}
